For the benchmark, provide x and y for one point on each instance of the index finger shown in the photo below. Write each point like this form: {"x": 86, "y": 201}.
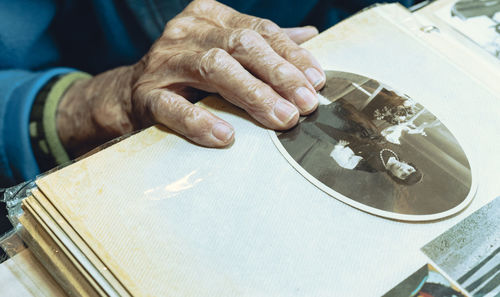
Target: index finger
{"x": 284, "y": 46}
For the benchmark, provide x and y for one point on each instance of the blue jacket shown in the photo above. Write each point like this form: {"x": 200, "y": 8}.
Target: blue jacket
{"x": 40, "y": 39}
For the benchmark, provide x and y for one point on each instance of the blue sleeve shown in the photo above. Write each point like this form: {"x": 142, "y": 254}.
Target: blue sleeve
{"x": 18, "y": 89}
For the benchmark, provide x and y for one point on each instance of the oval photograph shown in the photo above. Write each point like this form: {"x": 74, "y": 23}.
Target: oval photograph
{"x": 379, "y": 150}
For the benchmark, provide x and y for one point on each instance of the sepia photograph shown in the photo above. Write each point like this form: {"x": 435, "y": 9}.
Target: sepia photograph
{"x": 479, "y": 20}
{"x": 469, "y": 252}
{"x": 425, "y": 282}
{"x": 373, "y": 145}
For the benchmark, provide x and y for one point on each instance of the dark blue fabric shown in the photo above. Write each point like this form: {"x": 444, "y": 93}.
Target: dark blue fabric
{"x": 20, "y": 88}
{"x": 39, "y": 37}
{"x": 291, "y": 13}
{"x": 285, "y": 13}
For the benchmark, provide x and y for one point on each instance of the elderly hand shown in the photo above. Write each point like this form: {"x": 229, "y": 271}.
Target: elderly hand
{"x": 251, "y": 62}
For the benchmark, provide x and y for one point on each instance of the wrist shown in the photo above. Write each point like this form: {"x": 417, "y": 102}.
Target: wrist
{"x": 72, "y": 116}
{"x": 90, "y": 110}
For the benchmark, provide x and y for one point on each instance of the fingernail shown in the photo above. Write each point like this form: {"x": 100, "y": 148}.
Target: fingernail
{"x": 285, "y": 111}
{"x": 314, "y": 77}
{"x": 305, "y": 99}
{"x": 222, "y": 131}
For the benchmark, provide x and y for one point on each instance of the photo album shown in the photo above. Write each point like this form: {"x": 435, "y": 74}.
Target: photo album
{"x": 387, "y": 189}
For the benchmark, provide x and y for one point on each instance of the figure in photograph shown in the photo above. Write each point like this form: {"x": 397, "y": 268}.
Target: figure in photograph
{"x": 378, "y": 147}
{"x": 356, "y": 140}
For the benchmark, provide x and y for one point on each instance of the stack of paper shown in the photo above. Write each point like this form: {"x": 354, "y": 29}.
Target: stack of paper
{"x": 106, "y": 233}
{"x": 24, "y": 276}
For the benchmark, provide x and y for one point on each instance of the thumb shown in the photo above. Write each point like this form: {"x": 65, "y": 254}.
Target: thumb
{"x": 194, "y": 122}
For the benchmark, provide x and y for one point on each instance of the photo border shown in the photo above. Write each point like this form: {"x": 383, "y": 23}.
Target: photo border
{"x": 372, "y": 210}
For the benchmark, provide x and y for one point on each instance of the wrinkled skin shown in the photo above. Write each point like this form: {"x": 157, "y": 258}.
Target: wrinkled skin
{"x": 209, "y": 47}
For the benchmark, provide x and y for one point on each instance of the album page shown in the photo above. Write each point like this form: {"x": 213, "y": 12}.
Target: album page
{"x": 165, "y": 215}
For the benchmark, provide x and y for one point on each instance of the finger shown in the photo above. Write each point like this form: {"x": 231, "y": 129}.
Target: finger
{"x": 251, "y": 50}
{"x": 194, "y": 122}
{"x": 284, "y": 46}
{"x": 254, "y": 53}
{"x": 301, "y": 34}
{"x": 219, "y": 70}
